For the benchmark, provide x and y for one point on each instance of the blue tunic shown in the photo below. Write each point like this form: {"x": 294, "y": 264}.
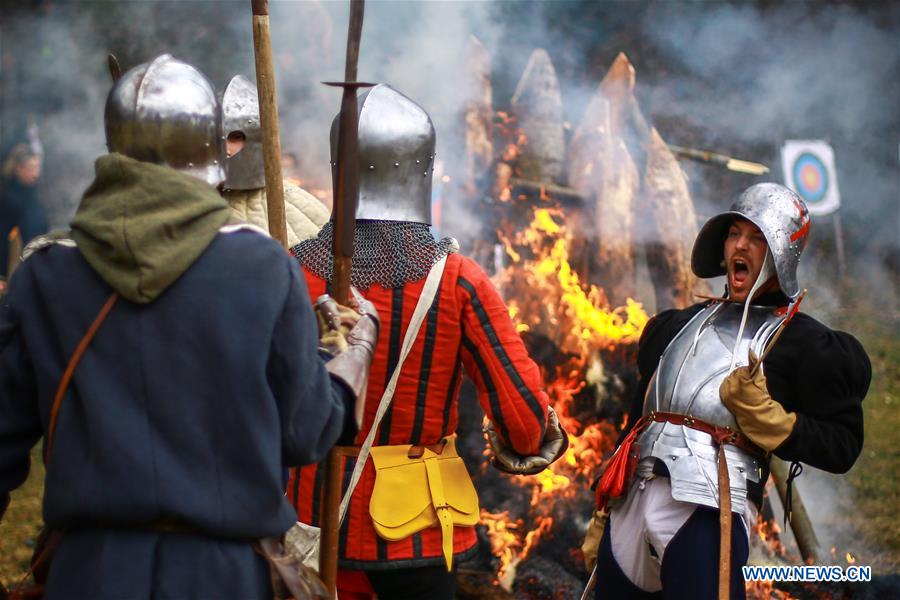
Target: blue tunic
{"x": 183, "y": 408}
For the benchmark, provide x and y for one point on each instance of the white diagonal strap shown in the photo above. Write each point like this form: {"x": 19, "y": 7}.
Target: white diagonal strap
{"x": 432, "y": 283}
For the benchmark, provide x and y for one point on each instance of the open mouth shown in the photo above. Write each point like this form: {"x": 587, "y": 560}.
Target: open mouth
{"x": 740, "y": 271}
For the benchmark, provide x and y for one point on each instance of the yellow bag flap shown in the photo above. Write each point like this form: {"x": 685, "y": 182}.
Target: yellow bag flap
{"x": 401, "y": 501}
{"x": 458, "y": 488}
{"x": 399, "y": 496}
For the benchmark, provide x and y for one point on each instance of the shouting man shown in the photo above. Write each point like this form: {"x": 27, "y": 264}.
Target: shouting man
{"x": 802, "y": 404}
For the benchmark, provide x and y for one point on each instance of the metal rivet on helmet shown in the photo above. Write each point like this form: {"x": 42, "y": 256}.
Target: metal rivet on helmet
{"x": 392, "y": 129}
{"x": 240, "y": 113}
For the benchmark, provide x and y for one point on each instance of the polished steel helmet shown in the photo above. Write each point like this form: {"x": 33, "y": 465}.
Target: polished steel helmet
{"x": 240, "y": 113}
{"x": 781, "y": 216}
{"x": 396, "y": 157}
{"x": 166, "y": 112}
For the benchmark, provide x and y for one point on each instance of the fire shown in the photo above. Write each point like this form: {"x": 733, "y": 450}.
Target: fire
{"x": 769, "y": 534}
{"x": 510, "y": 543}
{"x": 506, "y": 542}
{"x": 556, "y": 291}
{"x": 549, "y": 298}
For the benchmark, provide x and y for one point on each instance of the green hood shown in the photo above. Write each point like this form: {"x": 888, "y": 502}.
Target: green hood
{"x": 140, "y": 225}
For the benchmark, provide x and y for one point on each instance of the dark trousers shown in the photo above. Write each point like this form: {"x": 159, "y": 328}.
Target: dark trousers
{"x": 420, "y": 583}
{"x": 690, "y": 565}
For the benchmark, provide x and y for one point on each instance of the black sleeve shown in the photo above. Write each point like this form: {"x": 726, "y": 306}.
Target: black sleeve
{"x": 656, "y": 336}
{"x": 823, "y": 376}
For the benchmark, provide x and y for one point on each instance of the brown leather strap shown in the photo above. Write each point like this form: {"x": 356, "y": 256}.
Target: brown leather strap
{"x": 414, "y": 451}
{"x": 160, "y": 525}
{"x": 721, "y": 435}
{"x": 724, "y": 527}
{"x": 38, "y": 562}
{"x": 70, "y": 369}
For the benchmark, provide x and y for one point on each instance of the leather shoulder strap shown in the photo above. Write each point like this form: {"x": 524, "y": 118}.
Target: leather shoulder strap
{"x": 70, "y": 369}
{"x": 432, "y": 284}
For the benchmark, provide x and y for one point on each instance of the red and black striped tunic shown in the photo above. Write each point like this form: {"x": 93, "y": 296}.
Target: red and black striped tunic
{"x": 468, "y": 326}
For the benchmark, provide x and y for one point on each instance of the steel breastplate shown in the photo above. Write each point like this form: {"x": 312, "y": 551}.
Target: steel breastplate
{"x": 687, "y": 382}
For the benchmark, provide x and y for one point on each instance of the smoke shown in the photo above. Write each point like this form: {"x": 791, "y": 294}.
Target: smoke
{"x": 762, "y": 74}
{"x": 738, "y": 78}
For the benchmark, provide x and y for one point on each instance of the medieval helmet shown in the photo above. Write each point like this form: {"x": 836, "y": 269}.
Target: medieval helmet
{"x": 781, "y": 216}
{"x": 240, "y": 113}
{"x": 165, "y": 112}
{"x": 396, "y": 157}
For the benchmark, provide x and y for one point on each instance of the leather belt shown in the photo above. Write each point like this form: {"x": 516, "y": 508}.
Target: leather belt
{"x": 414, "y": 451}
{"x": 161, "y": 525}
{"x": 721, "y": 435}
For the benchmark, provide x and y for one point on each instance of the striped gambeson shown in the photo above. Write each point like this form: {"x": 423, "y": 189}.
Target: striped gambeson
{"x": 467, "y": 326}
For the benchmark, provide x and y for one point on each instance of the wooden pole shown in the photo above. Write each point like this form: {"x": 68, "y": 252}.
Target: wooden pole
{"x": 15, "y": 251}
{"x": 346, "y": 192}
{"x": 839, "y": 244}
{"x": 268, "y": 118}
{"x": 801, "y": 525}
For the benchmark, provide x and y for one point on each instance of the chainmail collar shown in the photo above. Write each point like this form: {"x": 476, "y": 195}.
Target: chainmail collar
{"x": 391, "y": 253}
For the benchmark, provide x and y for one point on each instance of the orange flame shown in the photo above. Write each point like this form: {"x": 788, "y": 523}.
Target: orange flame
{"x": 549, "y": 298}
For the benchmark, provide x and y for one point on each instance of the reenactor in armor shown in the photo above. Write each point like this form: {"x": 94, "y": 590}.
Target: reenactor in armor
{"x": 199, "y": 377}
{"x": 245, "y": 181}
{"x": 412, "y": 516}
{"x": 694, "y": 410}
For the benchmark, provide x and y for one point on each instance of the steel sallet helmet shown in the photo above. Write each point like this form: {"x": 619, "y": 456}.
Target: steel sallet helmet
{"x": 396, "y": 157}
{"x": 166, "y": 112}
{"x": 240, "y": 113}
{"x": 781, "y": 216}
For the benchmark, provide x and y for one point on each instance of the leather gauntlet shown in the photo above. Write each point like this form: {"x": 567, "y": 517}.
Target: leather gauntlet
{"x": 592, "y": 536}
{"x": 351, "y": 364}
{"x": 554, "y": 445}
{"x": 760, "y": 417}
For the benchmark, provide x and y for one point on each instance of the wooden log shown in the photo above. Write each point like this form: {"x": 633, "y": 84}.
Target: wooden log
{"x": 670, "y": 229}
{"x": 801, "y": 525}
{"x": 479, "y": 114}
{"x": 587, "y": 146}
{"x": 614, "y": 222}
{"x": 15, "y": 251}
{"x": 268, "y": 118}
{"x": 601, "y": 167}
{"x": 537, "y": 105}
{"x": 618, "y": 89}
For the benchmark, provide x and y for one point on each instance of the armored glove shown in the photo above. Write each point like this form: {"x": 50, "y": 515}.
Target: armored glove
{"x": 335, "y": 322}
{"x": 760, "y": 418}
{"x": 554, "y": 444}
{"x": 592, "y": 537}
{"x": 351, "y": 359}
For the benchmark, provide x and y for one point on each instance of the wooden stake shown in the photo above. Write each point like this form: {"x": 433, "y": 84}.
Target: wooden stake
{"x": 801, "y": 525}
{"x": 268, "y": 118}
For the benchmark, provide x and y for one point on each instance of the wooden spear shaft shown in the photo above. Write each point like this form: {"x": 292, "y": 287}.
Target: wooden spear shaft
{"x": 268, "y": 118}
{"x": 346, "y": 192}
{"x": 799, "y": 519}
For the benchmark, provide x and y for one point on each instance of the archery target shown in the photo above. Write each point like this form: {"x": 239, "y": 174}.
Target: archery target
{"x": 809, "y": 170}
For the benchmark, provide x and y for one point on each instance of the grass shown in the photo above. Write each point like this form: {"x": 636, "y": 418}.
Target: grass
{"x": 21, "y": 524}
{"x": 873, "y": 509}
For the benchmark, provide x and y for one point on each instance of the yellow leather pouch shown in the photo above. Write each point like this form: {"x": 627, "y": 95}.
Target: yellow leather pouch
{"x": 414, "y": 493}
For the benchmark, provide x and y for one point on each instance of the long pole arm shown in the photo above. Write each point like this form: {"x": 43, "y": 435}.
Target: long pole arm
{"x": 268, "y": 118}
